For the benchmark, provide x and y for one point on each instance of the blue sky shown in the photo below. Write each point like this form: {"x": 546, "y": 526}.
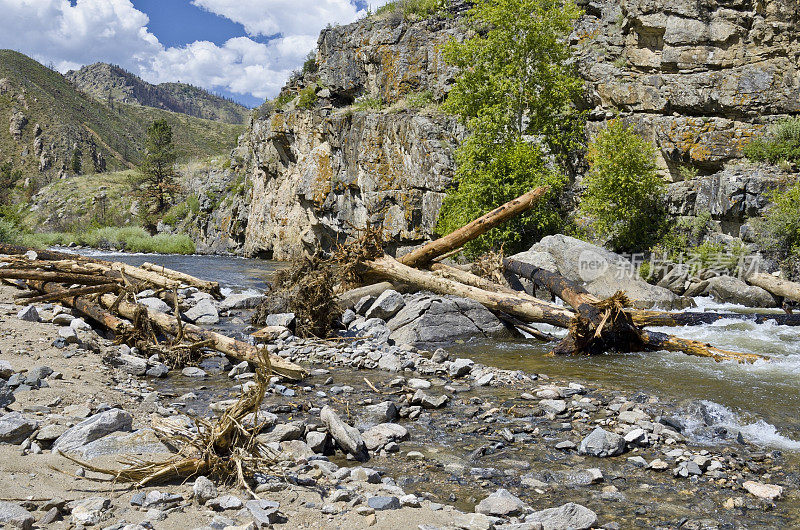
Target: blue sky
{"x": 244, "y": 49}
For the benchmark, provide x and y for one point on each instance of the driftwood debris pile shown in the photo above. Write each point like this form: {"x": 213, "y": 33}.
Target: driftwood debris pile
{"x": 106, "y": 293}
{"x": 594, "y": 325}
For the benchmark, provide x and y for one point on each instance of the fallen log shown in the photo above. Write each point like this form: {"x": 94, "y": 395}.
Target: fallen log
{"x": 348, "y": 299}
{"x": 530, "y": 310}
{"x": 85, "y": 306}
{"x": 68, "y": 293}
{"x": 50, "y": 276}
{"x": 423, "y": 255}
{"x": 603, "y": 325}
{"x": 204, "y": 285}
{"x": 227, "y": 345}
{"x": 776, "y": 286}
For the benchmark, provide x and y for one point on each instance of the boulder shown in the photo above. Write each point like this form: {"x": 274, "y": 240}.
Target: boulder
{"x": 570, "y": 516}
{"x": 203, "y": 313}
{"x": 29, "y": 314}
{"x": 387, "y": 305}
{"x": 93, "y": 428}
{"x": 265, "y": 513}
{"x": 347, "y": 437}
{"x": 131, "y": 364}
{"x": 600, "y": 271}
{"x": 769, "y": 492}
{"x": 602, "y": 443}
{"x": 240, "y": 301}
{"x": 6, "y": 394}
{"x": 6, "y": 370}
{"x": 460, "y": 367}
{"x": 380, "y": 435}
{"x": 428, "y": 318}
{"x": 141, "y": 442}
{"x": 383, "y": 412}
{"x": 15, "y": 516}
{"x": 14, "y": 428}
{"x": 501, "y": 503}
{"x": 89, "y": 512}
{"x": 156, "y": 304}
{"x": 735, "y": 291}
{"x": 204, "y": 490}
{"x": 284, "y": 320}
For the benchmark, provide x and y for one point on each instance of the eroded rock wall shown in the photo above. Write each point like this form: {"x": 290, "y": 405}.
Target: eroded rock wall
{"x": 699, "y": 78}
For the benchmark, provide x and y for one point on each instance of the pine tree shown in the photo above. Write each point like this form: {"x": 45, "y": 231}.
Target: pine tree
{"x": 158, "y": 168}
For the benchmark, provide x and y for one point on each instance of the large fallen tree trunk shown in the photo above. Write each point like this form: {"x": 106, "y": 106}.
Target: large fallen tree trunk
{"x": 85, "y": 306}
{"x": 208, "y": 286}
{"x": 696, "y": 318}
{"x": 57, "y": 276}
{"x": 529, "y": 310}
{"x": 776, "y": 286}
{"x": 603, "y": 325}
{"x": 423, "y": 255}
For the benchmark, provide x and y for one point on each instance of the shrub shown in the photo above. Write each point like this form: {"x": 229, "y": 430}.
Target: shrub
{"x": 9, "y": 233}
{"x": 624, "y": 197}
{"x": 368, "y": 103}
{"x": 418, "y": 100}
{"x": 308, "y": 96}
{"x": 778, "y": 229}
{"x": 176, "y": 214}
{"x": 780, "y": 144}
{"x": 513, "y": 170}
{"x": 283, "y": 99}
{"x": 413, "y": 8}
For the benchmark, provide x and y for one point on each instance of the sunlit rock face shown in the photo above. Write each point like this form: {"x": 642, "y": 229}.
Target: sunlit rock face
{"x": 699, "y": 78}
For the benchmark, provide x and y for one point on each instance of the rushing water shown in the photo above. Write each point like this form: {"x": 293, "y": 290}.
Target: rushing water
{"x": 760, "y": 400}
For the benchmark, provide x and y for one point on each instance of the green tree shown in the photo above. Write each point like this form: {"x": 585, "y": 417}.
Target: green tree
{"x": 158, "y": 168}
{"x": 624, "y": 199}
{"x": 76, "y": 161}
{"x": 8, "y": 180}
{"x": 515, "y": 94}
{"x": 778, "y": 228}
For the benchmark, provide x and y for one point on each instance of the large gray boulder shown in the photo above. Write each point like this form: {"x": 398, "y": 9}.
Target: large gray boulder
{"x": 602, "y": 443}
{"x": 14, "y": 428}
{"x": 428, "y": 318}
{"x": 735, "y": 291}
{"x": 203, "y": 313}
{"x": 6, "y": 394}
{"x": 93, "y": 428}
{"x": 387, "y": 305}
{"x": 600, "y": 271}
{"x": 501, "y": 503}
{"x": 141, "y": 442}
{"x": 570, "y": 516}
{"x": 15, "y": 516}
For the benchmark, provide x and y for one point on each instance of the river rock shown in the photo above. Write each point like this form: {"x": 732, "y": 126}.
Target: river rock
{"x": 317, "y": 441}
{"x": 265, "y": 513}
{"x": 204, "y": 490}
{"x": 284, "y": 320}
{"x": 427, "y": 401}
{"x": 156, "y": 304}
{"x": 193, "y": 371}
{"x": 501, "y": 503}
{"x": 131, "y": 364}
{"x": 383, "y": 412}
{"x": 600, "y": 271}
{"x": 347, "y": 437}
{"x": 69, "y": 335}
{"x": 63, "y": 319}
{"x": 203, "y": 313}
{"x": 225, "y": 502}
{"x": 15, "y": 516}
{"x": 570, "y": 516}
{"x": 141, "y": 442}
{"x": 89, "y": 512}
{"x": 768, "y": 492}
{"x": 380, "y": 503}
{"x": 283, "y": 432}
{"x": 429, "y": 318}
{"x": 602, "y": 443}
{"x": 460, "y": 367}
{"x": 6, "y": 370}
{"x": 29, "y": 314}
{"x": 93, "y": 428}
{"x": 382, "y": 434}
{"x": 387, "y": 305}
{"x": 14, "y": 428}
{"x": 6, "y": 394}
{"x": 240, "y": 301}
{"x": 553, "y": 406}
{"x": 735, "y": 291}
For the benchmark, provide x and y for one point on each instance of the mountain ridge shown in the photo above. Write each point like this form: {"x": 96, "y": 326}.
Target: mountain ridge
{"x": 112, "y": 84}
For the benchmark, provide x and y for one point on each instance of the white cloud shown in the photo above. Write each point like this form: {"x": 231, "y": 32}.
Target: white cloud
{"x": 55, "y": 31}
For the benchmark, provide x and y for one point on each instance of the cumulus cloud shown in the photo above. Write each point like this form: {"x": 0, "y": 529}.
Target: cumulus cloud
{"x": 69, "y": 36}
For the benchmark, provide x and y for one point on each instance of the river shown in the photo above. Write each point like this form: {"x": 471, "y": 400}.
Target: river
{"x": 760, "y": 400}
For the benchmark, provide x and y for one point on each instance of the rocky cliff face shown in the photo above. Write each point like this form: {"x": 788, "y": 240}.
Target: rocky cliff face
{"x": 322, "y": 173}
{"x": 699, "y": 78}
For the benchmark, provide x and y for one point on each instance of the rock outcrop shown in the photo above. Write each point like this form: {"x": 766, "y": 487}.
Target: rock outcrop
{"x": 699, "y": 78}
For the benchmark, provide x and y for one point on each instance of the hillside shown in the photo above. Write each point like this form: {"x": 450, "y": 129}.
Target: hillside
{"x": 111, "y": 84}
{"x": 49, "y": 121}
